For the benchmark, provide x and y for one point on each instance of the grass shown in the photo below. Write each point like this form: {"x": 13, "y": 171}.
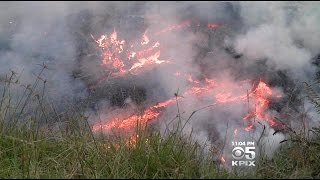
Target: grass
{"x": 70, "y": 150}
{"x": 78, "y": 155}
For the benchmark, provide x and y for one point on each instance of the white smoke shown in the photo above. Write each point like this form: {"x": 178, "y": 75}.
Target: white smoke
{"x": 33, "y": 33}
{"x": 282, "y": 33}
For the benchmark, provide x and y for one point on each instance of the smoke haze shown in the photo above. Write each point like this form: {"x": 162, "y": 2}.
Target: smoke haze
{"x": 268, "y": 37}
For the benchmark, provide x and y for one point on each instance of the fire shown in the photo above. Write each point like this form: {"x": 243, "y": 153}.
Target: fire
{"x": 259, "y": 96}
{"x": 132, "y": 141}
{"x": 260, "y": 99}
{"x": 122, "y": 59}
{"x": 213, "y": 25}
{"x": 227, "y": 97}
{"x": 223, "y": 161}
{"x": 144, "y": 61}
{"x": 130, "y": 122}
{"x": 174, "y": 27}
{"x": 165, "y": 103}
{"x": 145, "y": 39}
{"x": 249, "y": 128}
{"x": 186, "y": 23}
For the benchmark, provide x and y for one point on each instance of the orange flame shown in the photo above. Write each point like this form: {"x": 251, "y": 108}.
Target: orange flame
{"x": 213, "y": 25}
{"x": 248, "y": 128}
{"x": 135, "y": 61}
{"x": 223, "y": 161}
{"x": 174, "y": 27}
{"x": 113, "y": 49}
{"x": 129, "y": 122}
{"x": 259, "y": 96}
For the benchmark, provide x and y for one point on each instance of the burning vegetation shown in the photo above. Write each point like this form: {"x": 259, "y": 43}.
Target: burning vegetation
{"x": 133, "y": 64}
{"x": 120, "y": 58}
{"x": 219, "y": 71}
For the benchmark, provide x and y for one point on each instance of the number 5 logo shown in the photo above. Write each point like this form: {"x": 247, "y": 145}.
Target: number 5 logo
{"x": 238, "y": 153}
{"x": 250, "y": 153}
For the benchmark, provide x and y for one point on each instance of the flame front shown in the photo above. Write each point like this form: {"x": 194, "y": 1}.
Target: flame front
{"x": 259, "y": 96}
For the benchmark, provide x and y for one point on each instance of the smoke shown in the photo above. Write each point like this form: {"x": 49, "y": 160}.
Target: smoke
{"x": 285, "y": 34}
{"x": 278, "y": 33}
{"x": 265, "y": 38}
{"x": 281, "y": 36}
{"x": 33, "y": 33}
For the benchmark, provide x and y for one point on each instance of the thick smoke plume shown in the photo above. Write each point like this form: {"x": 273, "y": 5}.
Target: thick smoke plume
{"x": 273, "y": 41}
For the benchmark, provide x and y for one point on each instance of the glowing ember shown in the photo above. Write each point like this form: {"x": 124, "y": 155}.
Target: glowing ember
{"x": 235, "y": 132}
{"x": 174, "y": 27}
{"x": 248, "y": 128}
{"x": 213, "y": 25}
{"x": 223, "y": 161}
{"x": 132, "y": 140}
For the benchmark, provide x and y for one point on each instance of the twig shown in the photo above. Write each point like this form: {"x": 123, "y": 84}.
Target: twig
{"x": 264, "y": 128}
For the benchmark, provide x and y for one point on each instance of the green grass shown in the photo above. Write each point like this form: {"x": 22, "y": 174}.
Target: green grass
{"x": 75, "y": 154}
{"x": 70, "y": 150}
{"x": 79, "y": 155}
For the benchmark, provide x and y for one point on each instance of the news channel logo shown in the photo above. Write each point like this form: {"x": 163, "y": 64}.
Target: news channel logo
{"x": 243, "y": 153}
